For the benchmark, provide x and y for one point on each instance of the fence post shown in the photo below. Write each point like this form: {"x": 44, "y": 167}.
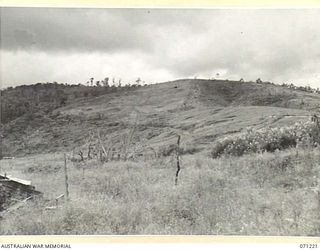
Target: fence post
{"x": 178, "y": 160}
{"x": 66, "y": 177}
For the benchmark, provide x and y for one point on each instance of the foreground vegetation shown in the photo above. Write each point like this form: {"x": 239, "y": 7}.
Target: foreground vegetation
{"x": 302, "y": 134}
{"x": 256, "y": 194}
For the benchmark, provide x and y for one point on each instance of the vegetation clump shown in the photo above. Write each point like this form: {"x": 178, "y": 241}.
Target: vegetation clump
{"x": 305, "y": 134}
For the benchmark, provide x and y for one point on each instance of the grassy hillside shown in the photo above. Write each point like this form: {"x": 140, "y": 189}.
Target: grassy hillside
{"x": 249, "y": 158}
{"x": 152, "y": 116}
{"x": 256, "y": 194}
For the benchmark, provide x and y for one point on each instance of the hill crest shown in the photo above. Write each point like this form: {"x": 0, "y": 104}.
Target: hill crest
{"x": 151, "y": 116}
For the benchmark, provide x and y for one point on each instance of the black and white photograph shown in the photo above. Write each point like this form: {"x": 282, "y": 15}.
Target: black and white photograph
{"x": 160, "y": 121}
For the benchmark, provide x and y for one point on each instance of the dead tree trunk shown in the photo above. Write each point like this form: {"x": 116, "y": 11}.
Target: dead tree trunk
{"x": 108, "y": 153}
{"x": 102, "y": 147}
{"x": 178, "y": 160}
{"x": 81, "y": 155}
{"x": 89, "y": 151}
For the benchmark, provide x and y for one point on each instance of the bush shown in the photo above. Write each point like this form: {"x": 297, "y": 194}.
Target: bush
{"x": 170, "y": 149}
{"x": 269, "y": 140}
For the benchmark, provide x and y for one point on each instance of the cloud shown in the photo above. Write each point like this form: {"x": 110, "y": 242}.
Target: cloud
{"x": 53, "y": 29}
{"x": 275, "y": 45}
{"x": 77, "y": 68}
{"x": 65, "y": 30}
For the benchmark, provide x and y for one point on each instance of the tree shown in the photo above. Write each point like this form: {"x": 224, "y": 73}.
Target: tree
{"x": 258, "y": 80}
{"x": 138, "y": 80}
{"x": 106, "y": 82}
{"x": 91, "y": 81}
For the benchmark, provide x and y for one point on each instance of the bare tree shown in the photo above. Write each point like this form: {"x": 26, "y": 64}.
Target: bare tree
{"x": 90, "y": 148}
{"x": 102, "y": 147}
{"x": 128, "y": 138}
{"x": 80, "y": 153}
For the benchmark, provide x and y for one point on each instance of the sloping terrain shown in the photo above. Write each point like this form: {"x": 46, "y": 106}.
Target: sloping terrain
{"x": 241, "y": 192}
{"x": 152, "y": 116}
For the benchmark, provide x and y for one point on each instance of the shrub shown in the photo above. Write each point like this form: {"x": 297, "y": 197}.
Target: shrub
{"x": 269, "y": 140}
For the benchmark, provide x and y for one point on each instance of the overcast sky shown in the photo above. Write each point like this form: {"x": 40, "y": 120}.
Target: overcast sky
{"x": 72, "y": 45}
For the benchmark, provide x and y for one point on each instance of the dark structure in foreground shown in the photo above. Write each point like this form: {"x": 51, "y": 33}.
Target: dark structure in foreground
{"x": 14, "y": 192}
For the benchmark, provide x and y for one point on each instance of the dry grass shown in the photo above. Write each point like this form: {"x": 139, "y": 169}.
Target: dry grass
{"x": 257, "y": 194}
{"x": 202, "y": 109}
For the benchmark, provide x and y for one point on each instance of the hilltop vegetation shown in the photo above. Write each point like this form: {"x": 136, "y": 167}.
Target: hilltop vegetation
{"x": 28, "y": 100}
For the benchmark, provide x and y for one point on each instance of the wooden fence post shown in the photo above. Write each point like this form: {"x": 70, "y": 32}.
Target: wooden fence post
{"x": 66, "y": 177}
{"x": 178, "y": 160}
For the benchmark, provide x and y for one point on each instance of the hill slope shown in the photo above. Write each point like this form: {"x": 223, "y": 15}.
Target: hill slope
{"x": 142, "y": 120}
{"x": 272, "y": 192}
